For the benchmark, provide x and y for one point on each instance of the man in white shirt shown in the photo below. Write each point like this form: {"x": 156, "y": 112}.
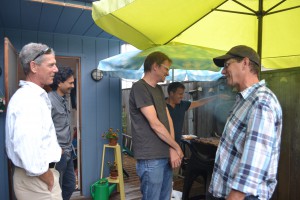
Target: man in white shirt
{"x": 31, "y": 142}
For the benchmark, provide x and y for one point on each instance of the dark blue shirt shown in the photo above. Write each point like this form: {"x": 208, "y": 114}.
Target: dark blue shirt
{"x": 177, "y": 114}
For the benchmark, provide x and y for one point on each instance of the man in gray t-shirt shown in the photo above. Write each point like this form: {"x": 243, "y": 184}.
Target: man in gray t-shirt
{"x": 154, "y": 145}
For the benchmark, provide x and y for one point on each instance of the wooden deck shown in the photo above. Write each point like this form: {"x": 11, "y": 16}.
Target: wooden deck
{"x": 132, "y": 184}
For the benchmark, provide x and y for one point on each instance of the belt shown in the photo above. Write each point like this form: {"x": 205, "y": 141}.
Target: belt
{"x": 52, "y": 165}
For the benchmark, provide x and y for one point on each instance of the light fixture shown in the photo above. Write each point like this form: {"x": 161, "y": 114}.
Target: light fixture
{"x": 97, "y": 74}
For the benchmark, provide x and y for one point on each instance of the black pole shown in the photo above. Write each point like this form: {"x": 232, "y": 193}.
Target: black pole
{"x": 260, "y": 15}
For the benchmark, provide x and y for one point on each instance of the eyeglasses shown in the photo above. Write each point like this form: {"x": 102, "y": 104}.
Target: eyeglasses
{"x": 46, "y": 51}
{"x": 226, "y": 64}
{"x": 166, "y": 67}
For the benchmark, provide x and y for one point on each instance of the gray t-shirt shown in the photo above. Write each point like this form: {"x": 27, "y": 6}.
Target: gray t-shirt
{"x": 146, "y": 143}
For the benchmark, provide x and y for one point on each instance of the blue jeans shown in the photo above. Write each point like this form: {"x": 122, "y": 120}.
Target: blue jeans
{"x": 67, "y": 179}
{"x": 156, "y": 178}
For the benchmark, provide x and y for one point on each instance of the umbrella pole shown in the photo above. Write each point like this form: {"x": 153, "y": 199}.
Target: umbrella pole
{"x": 259, "y": 37}
{"x": 172, "y": 75}
{"x": 260, "y": 24}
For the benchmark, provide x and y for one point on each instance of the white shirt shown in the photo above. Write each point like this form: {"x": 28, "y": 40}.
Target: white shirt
{"x": 31, "y": 141}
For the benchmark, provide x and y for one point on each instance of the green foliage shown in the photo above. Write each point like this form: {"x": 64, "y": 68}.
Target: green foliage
{"x": 111, "y": 134}
{"x": 112, "y": 166}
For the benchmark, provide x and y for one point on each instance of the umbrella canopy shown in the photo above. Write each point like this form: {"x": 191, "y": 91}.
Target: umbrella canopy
{"x": 192, "y": 61}
{"x": 270, "y": 26}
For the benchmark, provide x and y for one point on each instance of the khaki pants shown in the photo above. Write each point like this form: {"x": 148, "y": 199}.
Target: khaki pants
{"x": 31, "y": 187}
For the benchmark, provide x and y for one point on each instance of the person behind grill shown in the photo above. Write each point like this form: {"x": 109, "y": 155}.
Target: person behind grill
{"x": 177, "y": 107}
{"x": 31, "y": 142}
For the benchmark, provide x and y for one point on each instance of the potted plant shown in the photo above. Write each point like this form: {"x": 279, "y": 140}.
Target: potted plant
{"x": 112, "y": 136}
{"x": 113, "y": 170}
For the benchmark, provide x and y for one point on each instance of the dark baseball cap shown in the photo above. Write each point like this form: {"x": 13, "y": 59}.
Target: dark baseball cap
{"x": 238, "y": 51}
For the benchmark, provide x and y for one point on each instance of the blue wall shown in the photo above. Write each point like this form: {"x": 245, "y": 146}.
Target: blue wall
{"x": 3, "y": 159}
{"x": 100, "y": 101}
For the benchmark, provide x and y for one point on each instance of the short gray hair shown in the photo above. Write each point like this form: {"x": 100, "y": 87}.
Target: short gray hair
{"x": 29, "y": 52}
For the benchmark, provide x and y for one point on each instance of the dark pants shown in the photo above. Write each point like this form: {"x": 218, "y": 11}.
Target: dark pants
{"x": 211, "y": 197}
{"x": 251, "y": 197}
{"x": 67, "y": 179}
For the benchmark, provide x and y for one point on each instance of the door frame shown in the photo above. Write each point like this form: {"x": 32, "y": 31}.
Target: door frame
{"x": 75, "y": 63}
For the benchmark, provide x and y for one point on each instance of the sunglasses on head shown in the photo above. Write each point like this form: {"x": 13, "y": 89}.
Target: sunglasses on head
{"x": 46, "y": 51}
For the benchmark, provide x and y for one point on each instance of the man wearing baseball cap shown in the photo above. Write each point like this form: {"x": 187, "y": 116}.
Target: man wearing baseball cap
{"x": 248, "y": 154}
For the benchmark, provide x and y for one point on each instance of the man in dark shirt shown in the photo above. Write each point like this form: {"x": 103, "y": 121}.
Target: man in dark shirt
{"x": 62, "y": 85}
{"x": 153, "y": 141}
{"x": 177, "y": 107}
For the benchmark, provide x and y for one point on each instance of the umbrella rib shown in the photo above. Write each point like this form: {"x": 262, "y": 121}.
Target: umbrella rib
{"x": 243, "y": 5}
{"x": 133, "y": 28}
{"x": 195, "y": 22}
{"x": 291, "y": 8}
{"x": 282, "y": 56}
{"x": 275, "y": 6}
{"x": 216, "y": 9}
{"x": 237, "y": 12}
{"x": 256, "y": 13}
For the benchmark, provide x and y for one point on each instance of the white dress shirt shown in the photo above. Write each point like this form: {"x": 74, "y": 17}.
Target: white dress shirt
{"x": 31, "y": 141}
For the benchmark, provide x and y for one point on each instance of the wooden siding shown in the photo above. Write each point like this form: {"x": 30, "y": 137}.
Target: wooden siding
{"x": 285, "y": 84}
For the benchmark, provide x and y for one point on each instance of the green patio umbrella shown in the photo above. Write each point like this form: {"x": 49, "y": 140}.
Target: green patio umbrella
{"x": 191, "y": 62}
{"x": 270, "y": 26}
{"x": 188, "y": 57}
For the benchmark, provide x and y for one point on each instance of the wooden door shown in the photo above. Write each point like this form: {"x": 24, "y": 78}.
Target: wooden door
{"x": 11, "y": 63}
